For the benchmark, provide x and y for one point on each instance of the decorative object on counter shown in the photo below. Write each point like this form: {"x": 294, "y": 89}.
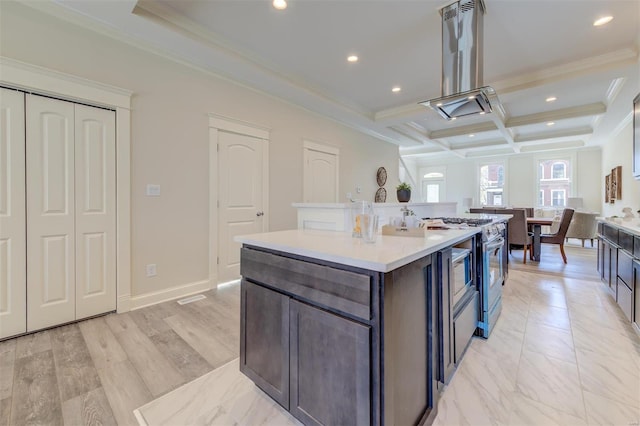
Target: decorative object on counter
{"x": 628, "y": 214}
{"x": 369, "y": 226}
{"x": 403, "y": 192}
{"x": 381, "y": 178}
{"x": 359, "y": 210}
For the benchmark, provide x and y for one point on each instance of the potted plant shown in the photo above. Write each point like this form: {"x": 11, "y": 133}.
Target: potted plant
{"x": 403, "y": 191}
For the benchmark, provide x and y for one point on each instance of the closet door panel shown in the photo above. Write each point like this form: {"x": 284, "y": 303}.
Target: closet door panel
{"x": 13, "y": 262}
{"x": 50, "y": 212}
{"x": 95, "y": 211}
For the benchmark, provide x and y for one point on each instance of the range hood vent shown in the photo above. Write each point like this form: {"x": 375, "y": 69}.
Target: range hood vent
{"x": 462, "y": 91}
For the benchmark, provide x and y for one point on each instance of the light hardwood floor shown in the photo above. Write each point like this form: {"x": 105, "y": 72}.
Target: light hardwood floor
{"x": 96, "y": 372}
{"x": 556, "y": 318}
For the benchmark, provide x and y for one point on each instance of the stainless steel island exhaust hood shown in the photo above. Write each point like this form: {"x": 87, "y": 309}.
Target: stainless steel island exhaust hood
{"x": 462, "y": 91}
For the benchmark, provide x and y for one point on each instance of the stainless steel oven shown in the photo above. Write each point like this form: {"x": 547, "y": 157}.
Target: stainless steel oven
{"x": 493, "y": 247}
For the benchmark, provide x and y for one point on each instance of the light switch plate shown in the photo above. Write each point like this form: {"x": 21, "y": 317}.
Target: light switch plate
{"x": 153, "y": 190}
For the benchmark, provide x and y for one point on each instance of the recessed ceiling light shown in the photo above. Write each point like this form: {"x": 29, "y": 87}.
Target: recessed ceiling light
{"x": 550, "y": 123}
{"x": 551, "y": 99}
{"x": 396, "y": 89}
{"x": 471, "y": 97}
{"x": 280, "y": 4}
{"x": 352, "y": 58}
{"x": 472, "y": 135}
{"x": 601, "y": 21}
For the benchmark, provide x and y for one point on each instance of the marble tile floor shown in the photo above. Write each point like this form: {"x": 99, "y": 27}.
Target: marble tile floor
{"x": 561, "y": 354}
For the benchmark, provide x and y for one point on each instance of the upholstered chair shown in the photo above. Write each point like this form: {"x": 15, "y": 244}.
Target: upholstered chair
{"x": 559, "y": 236}
{"x": 517, "y": 233}
{"x": 583, "y": 226}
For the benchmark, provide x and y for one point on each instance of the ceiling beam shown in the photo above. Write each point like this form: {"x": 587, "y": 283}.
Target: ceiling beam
{"x": 463, "y": 130}
{"x": 540, "y": 136}
{"x": 588, "y": 110}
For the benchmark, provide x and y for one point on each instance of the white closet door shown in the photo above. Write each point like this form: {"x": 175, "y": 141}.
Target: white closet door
{"x": 13, "y": 263}
{"x": 95, "y": 190}
{"x": 50, "y": 212}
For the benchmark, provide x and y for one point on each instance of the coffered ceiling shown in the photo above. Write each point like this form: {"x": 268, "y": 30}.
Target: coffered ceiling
{"x": 533, "y": 49}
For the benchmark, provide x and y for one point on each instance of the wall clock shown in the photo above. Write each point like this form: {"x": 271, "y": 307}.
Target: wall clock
{"x": 381, "y": 176}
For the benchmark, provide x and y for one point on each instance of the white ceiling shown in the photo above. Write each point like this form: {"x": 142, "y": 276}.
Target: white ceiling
{"x": 532, "y": 49}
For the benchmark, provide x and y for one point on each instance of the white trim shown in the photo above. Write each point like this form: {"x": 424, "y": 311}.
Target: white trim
{"x": 327, "y": 149}
{"x": 21, "y": 75}
{"x": 173, "y": 293}
{"x": 216, "y": 123}
{"x": 238, "y": 126}
{"x": 31, "y": 78}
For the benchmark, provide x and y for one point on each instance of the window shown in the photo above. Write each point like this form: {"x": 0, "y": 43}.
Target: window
{"x": 432, "y": 184}
{"x": 558, "y": 198}
{"x": 559, "y": 171}
{"x": 554, "y": 181}
{"x": 492, "y": 184}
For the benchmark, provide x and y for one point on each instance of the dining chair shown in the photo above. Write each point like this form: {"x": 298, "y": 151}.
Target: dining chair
{"x": 517, "y": 232}
{"x": 559, "y": 236}
{"x": 583, "y": 226}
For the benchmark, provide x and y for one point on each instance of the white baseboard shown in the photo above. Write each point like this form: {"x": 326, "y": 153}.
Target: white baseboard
{"x": 123, "y": 303}
{"x": 149, "y": 299}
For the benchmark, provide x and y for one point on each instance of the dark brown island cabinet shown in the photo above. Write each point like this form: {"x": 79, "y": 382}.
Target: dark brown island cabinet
{"x": 340, "y": 345}
{"x": 619, "y": 266}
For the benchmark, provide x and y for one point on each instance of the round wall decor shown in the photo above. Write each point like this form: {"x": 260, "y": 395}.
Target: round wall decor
{"x": 381, "y": 176}
{"x": 381, "y": 195}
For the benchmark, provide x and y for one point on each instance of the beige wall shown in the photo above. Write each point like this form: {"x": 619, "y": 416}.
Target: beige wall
{"x": 618, "y": 153}
{"x": 169, "y": 139}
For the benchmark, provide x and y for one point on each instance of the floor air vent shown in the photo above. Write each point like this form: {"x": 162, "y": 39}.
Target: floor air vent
{"x": 191, "y": 299}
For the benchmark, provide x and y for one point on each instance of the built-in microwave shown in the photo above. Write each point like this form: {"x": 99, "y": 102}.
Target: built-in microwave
{"x": 461, "y": 274}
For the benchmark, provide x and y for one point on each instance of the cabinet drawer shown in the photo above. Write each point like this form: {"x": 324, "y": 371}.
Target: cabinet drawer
{"x": 464, "y": 325}
{"x": 625, "y": 267}
{"x": 344, "y": 291}
{"x": 625, "y": 240}
{"x": 611, "y": 233}
{"x": 625, "y": 299}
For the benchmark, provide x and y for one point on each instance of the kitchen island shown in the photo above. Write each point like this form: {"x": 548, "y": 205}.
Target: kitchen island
{"x": 339, "y": 331}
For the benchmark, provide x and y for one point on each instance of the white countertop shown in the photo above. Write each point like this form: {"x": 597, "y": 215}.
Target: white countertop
{"x": 386, "y": 254}
{"x": 632, "y": 226}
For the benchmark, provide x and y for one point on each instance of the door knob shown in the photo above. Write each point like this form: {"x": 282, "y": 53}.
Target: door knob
{"x": 260, "y": 214}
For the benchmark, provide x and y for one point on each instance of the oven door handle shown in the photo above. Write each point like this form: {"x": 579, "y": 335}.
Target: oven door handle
{"x": 499, "y": 242}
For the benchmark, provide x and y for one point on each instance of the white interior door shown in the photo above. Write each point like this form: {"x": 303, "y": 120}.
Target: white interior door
{"x": 320, "y": 174}
{"x": 50, "y": 212}
{"x": 13, "y": 263}
{"x": 240, "y": 195}
{"x": 95, "y": 211}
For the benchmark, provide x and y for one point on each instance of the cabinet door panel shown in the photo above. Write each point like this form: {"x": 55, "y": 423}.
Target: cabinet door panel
{"x": 264, "y": 340}
{"x": 13, "y": 262}
{"x": 330, "y": 368}
{"x": 50, "y": 212}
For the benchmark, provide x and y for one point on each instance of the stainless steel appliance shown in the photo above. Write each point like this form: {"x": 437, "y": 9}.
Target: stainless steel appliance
{"x": 493, "y": 276}
{"x": 491, "y": 271}
{"x": 461, "y": 275}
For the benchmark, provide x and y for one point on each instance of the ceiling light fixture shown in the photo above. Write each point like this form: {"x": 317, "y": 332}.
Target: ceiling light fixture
{"x": 352, "y": 58}
{"x": 550, "y": 123}
{"x": 280, "y": 4}
{"x": 601, "y": 21}
{"x": 396, "y": 89}
{"x": 472, "y": 135}
{"x": 551, "y": 99}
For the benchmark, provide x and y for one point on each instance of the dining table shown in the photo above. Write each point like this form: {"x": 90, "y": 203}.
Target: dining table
{"x": 537, "y": 223}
